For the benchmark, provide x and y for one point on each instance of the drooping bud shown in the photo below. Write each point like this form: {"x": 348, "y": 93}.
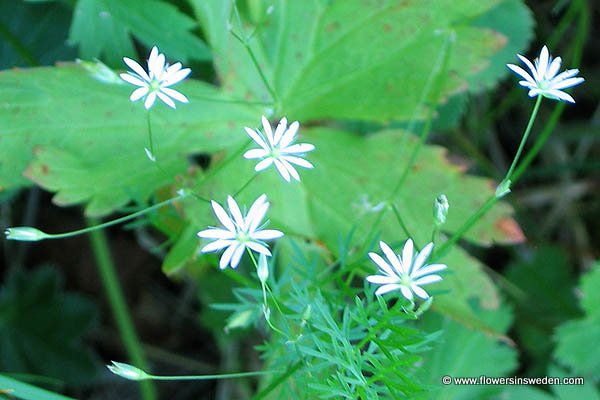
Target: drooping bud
{"x": 127, "y": 371}
{"x": 440, "y": 209}
{"x": 25, "y": 234}
{"x": 262, "y": 269}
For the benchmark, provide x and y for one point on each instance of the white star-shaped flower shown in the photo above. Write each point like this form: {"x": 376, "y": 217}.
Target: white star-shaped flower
{"x": 544, "y": 80}
{"x": 239, "y": 232}
{"x": 157, "y": 81}
{"x": 407, "y": 273}
{"x": 278, "y": 148}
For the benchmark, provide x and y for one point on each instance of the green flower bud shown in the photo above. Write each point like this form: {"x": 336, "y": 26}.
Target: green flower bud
{"x": 440, "y": 210}
{"x": 25, "y": 234}
{"x": 262, "y": 269}
{"x": 127, "y": 371}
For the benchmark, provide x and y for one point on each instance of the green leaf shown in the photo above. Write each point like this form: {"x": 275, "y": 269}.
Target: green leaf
{"x": 102, "y": 27}
{"x": 84, "y": 139}
{"x": 25, "y": 391}
{"x": 41, "y": 327}
{"x": 462, "y": 352}
{"x": 588, "y": 390}
{"x": 354, "y": 59}
{"x": 575, "y": 339}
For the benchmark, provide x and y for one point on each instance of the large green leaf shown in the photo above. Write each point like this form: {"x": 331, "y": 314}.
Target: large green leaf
{"x": 462, "y": 352}
{"x": 354, "y": 59}
{"x": 102, "y": 27}
{"x": 85, "y": 140}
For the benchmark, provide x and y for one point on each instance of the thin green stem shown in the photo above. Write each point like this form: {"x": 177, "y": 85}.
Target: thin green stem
{"x": 278, "y": 381}
{"x": 118, "y": 306}
{"x": 401, "y": 221}
{"x": 116, "y": 221}
{"x": 245, "y": 42}
{"x": 152, "y": 155}
{"x": 208, "y": 377}
{"x": 245, "y": 185}
{"x": 524, "y": 138}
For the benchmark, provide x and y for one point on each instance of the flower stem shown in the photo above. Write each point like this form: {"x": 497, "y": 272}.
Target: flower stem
{"x": 245, "y": 185}
{"x": 115, "y": 221}
{"x": 524, "y": 138}
{"x": 245, "y": 42}
{"x": 118, "y": 306}
{"x": 152, "y": 155}
{"x": 208, "y": 377}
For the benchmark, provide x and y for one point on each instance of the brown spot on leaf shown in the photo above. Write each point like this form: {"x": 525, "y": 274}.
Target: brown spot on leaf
{"x": 332, "y": 26}
{"x": 510, "y": 229}
{"x": 387, "y": 28}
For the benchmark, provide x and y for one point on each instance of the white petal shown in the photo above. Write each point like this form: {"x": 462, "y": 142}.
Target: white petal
{"x": 289, "y": 135}
{"x": 217, "y": 245}
{"x": 282, "y": 170}
{"x": 267, "y": 130}
{"x": 542, "y": 63}
{"x": 406, "y": 292}
{"x": 257, "y": 138}
{"x": 553, "y": 68}
{"x": 256, "y": 213}
{"x": 407, "y": 255}
{"x": 428, "y": 269}
{"x": 392, "y": 258}
{"x": 234, "y": 209}
{"x": 421, "y": 258}
{"x": 237, "y": 256}
{"x": 291, "y": 170}
{"x": 419, "y": 292}
{"x": 566, "y": 74}
{"x": 137, "y": 68}
{"x": 533, "y": 70}
{"x": 382, "y": 264}
{"x": 522, "y": 73}
{"x": 138, "y": 93}
{"x": 567, "y": 83}
{"x": 387, "y": 288}
{"x": 176, "y": 77}
{"x": 298, "y": 148}
{"x": 157, "y": 67}
{"x": 216, "y": 233}
{"x": 263, "y": 164}
{"x": 561, "y": 95}
{"x": 255, "y": 153}
{"x": 382, "y": 279}
{"x": 150, "y": 100}
{"x": 174, "y": 94}
{"x": 166, "y": 99}
{"x": 134, "y": 80}
{"x": 267, "y": 234}
{"x": 226, "y": 257}
{"x": 281, "y": 127}
{"x": 259, "y": 248}
{"x": 298, "y": 161}
{"x": 222, "y": 216}
{"x": 427, "y": 280}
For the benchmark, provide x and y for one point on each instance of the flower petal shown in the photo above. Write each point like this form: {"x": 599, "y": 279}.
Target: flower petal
{"x": 427, "y": 280}
{"x": 419, "y": 292}
{"x": 298, "y": 148}
{"x": 407, "y": 256}
{"x": 138, "y": 93}
{"x": 263, "y": 164}
{"x": 257, "y": 138}
{"x": 421, "y": 258}
{"x": 382, "y": 264}
{"x": 137, "y": 68}
{"x": 237, "y": 255}
{"x": 234, "y": 209}
{"x": 282, "y": 170}
{"x": 217, "y": 245}
{"x": 150, "y": 100}
{"x": 255, "y": 153}
{"x": 216, "y": 233}
{"x": 166, "y": 99}
{"x": 259, "y": 248}
{"x": 387, "y": 288}
{"x": 281, "y": 127}
{"x": 226, "y": 257}
{"x": 428, "y": 269}
{"x": 267, "y": 130}
{"x": 289, "y": 135}
{"x": 174, "y": 94}
{"x": 222, "y": 216}
{"x": 406, "y": 292}
{"x": 392, "y": 258}
{"x": 298, "y": 161}
{"x": 267, "y": 234}
{"x": 133, "y": 79}
{"x": 382, "y": 279}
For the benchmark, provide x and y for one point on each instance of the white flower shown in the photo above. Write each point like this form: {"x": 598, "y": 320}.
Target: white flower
{"x": 543, "y": 79}
{"x": 239, "y": 232}
{"x": 406, "y": 273}
{"x": 278, "y": 149}
{"x": 156, "y": 81}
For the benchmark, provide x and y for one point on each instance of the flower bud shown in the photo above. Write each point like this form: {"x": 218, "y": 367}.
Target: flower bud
{"x": 127, "y": 371}
{"x": 262, "y": 269}
{"x": 503, "y": 188}
{"x": 440, "y": 210}
{"x": 25, "y": 234}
